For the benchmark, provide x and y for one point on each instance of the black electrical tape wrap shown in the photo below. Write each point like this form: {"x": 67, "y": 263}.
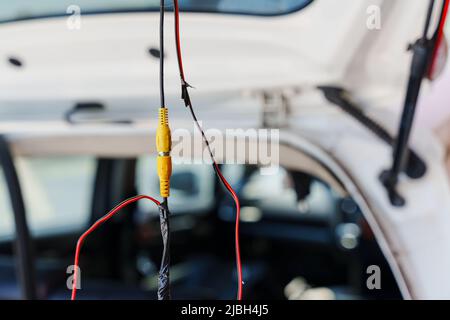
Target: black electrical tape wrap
{"x": 164, "y": 275}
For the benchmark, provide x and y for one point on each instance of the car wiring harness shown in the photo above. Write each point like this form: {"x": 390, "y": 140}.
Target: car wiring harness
{"x": 188, "y": 103}
{"x": 164, "y": 169}
{"x": 164, "y": 164}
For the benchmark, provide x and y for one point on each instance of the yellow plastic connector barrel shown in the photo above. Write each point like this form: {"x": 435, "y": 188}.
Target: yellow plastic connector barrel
{"x": 164, "y": 146}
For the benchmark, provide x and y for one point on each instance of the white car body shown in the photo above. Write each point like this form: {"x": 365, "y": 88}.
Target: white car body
{"x": 229, "y": 60}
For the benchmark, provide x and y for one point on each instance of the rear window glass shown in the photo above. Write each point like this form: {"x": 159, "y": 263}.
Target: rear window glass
{"x": 256, "y": 7}
{"x": 32, "y": 9}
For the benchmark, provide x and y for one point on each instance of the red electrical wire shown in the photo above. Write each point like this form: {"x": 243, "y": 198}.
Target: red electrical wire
{"x": 233, "y": 194}
{"x": 238, "y": 216}
{"x": 178, "y": 38}
{"x": 97, "y": 224}
{"x": 440, "y": 35}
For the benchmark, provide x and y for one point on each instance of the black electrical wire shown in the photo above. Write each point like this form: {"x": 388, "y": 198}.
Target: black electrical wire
{"x": 428, "y": 19}
{"x": 164, "y": 213}
{"x": 161, "y": 54}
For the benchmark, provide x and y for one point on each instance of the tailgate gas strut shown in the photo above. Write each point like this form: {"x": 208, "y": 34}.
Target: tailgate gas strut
{"x": 415, "y": 168}
{"x": 422, "y": 50}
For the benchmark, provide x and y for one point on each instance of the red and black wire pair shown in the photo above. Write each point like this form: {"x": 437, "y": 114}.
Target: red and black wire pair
{"x": 163, "y": 289}
{"x": 187, "y": 101}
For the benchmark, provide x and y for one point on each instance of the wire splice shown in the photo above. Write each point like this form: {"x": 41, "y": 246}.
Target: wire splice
{"x": 164, "y": 146}
{"x": 164, "y": 271}
{"x": 164, "y": 164}
{"x": 164, "y": 167}
{"x": 188, "y": 103}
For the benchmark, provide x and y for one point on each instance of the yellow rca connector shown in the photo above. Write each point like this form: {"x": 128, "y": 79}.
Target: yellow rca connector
{"x": 164, "y": 146}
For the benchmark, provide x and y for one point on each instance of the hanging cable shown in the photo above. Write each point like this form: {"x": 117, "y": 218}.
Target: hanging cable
{"x": 94, "y": 227}
{"x": 187, "y": 100}
{"x": 164, "y": 165}
{"x": 161, "y": 55}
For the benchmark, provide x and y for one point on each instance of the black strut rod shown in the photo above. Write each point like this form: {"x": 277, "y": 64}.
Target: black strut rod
{"x": 23, "y": 244}
{"x": 415, "y": 167}
{"x": 422, "y": 50}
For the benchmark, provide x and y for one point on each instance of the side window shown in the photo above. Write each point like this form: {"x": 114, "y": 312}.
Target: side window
{"x": 57, "y": 192}
{"x": 192, "y": 186}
